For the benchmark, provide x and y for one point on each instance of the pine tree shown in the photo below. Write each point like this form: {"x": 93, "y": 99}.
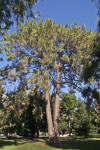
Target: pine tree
{"x": 68, "y": 104}
{"x": 45, "y": 55}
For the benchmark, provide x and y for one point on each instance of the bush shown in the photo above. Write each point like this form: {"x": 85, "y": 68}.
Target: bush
{"x": 85, "y": 129}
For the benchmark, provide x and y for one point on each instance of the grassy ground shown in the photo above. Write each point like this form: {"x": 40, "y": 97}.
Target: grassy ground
{"x": 72, "y": 143}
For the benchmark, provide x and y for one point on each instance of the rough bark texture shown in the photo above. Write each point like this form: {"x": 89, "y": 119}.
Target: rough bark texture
{"x": 49, "y": 117}
{"x": 56, "y": 110}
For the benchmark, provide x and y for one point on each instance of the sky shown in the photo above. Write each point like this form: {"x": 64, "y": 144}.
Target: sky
{"x": 69, "y": 11}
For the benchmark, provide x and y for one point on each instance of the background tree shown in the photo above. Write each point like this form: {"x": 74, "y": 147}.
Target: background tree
{"x": 97, "y": 2}
{"x": 34, "y": 117}
{"x": 91, "y": 96}
{"x": 15, "y": 10}
{"x": 14, "y": 105}
{"x": 1, "y": 96}
{"x": 1, "y": 104}
{"x": 91, "y": 66}
{"x": 93, "y": 63}
{"x": 83, "y": 122}
{"x": 23, "y": 113}
{"x": 68, "y": 104}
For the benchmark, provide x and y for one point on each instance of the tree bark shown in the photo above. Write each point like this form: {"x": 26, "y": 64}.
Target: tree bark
{"x": 69, "y": 124}
{"x": 49, "y": 117}
{"x": 56, "y": 110}
{"x": 37, "y": 133}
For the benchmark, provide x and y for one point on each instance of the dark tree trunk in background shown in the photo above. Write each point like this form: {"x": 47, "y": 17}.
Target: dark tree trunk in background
{"x": 69, "y": 124}
{"x": 37, "y": 133}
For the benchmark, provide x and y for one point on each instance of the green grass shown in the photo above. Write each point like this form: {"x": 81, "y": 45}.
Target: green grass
{"x": 72, "y": 143}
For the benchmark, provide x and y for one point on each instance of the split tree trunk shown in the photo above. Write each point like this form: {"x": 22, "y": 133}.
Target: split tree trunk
{"x": 53, "y": 129}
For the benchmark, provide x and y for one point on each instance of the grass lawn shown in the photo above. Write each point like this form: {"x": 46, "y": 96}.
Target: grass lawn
{"x": 42, "y": 144}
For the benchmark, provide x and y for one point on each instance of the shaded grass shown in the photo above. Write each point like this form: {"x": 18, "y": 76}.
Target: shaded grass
{"x": 71, "y": 143}
{"x": 24, "y": 144}
{"x": 80, "y": 144}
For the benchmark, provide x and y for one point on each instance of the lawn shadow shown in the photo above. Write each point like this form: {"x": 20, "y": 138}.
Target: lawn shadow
{"x": 12, "y": 141}
{"x": 78, "y": 144}
{"x": 4, "y": 141}
{"x": 64, "y": 144}
{"x": 74, "y": 143}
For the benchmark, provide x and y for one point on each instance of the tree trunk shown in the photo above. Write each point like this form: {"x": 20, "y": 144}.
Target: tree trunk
{"x": 69, "y": 124}
{"x": 56, "y": 110}
{"x": 49, "y": 117}
{"x": 37, "y": 133}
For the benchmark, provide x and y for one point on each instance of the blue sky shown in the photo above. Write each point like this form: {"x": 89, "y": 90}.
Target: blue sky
{"x": 69, "y": 11}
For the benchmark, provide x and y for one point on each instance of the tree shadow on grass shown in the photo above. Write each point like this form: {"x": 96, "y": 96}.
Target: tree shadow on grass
{"x": 64, "y": 144}
{"x": 13, "y": 141}
{"x": 78, "y": 144}
{"x": 73, "y": 143}
{"x": 19, "y": 141}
